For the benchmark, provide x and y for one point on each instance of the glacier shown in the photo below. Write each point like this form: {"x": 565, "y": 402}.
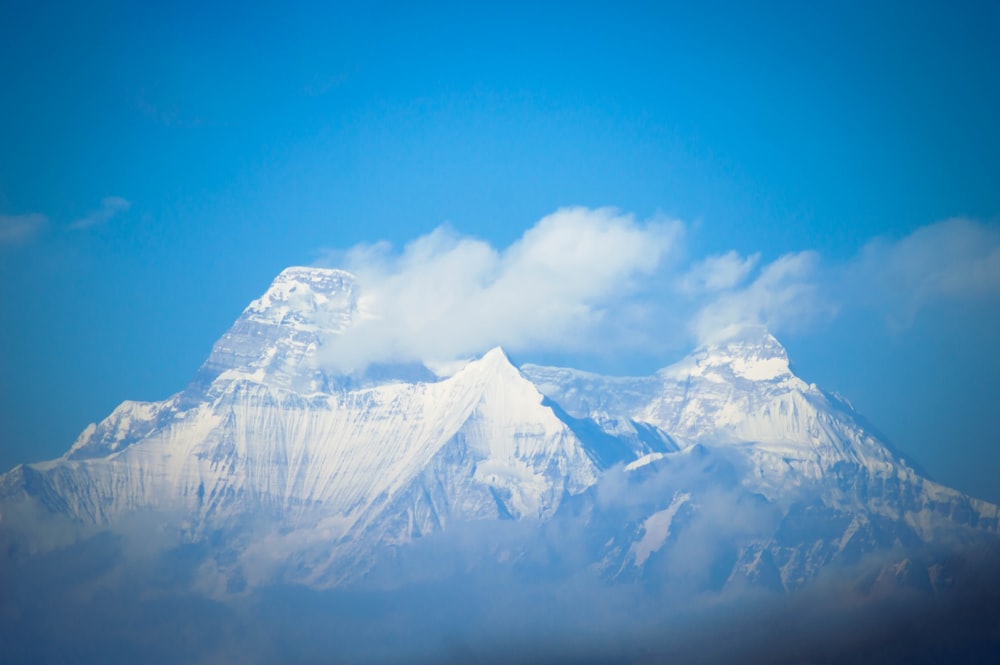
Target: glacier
{"x": 722, "y": 472}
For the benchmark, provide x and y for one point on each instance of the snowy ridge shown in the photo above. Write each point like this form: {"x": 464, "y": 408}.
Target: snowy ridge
{"x": 342, "y": 467}
{"x": 330, "y": 449}
{"x": 128, "y": 423}
{"x": 736, "y": 391}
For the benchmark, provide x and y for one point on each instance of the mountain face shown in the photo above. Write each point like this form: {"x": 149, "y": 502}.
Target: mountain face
{"x": 722, "y": 471}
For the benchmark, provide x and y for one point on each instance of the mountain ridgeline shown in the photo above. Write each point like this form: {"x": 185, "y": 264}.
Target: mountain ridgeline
{"x": 721, "y": 475}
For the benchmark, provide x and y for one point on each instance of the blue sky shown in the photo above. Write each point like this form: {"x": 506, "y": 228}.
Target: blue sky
{"x": 159, "y": 165}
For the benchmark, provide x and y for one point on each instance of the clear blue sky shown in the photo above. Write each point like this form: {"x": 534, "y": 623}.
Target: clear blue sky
{"x": 158, "y": 166}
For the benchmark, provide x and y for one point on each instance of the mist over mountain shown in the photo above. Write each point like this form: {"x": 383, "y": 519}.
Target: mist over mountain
{"x": 288, "y": 507}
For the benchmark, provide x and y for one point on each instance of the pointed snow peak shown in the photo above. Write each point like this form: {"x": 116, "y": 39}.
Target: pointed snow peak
{"x": 496, "y": 355}
{"x": 495, "y": 369}
{"x": 493, "y": 362}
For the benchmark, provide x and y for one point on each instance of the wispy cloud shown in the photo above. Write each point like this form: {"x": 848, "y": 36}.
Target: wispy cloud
{"x": 110, "y": 207}
{"x": 786, "y": 294}
{"x": 18, "y": 229}
{"x": 952, "y": 260}
{"x": 957, "y": 259}
{"x": 718, "y": 273}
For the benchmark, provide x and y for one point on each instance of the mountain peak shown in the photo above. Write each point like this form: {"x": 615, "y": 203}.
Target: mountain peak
{"x": 493, "y": 363}
{"x": 747, "y": 351}
{"x": 300, "y": 296}
{"x": 311, "y": 273}
{"x": 319, "y": 279}
{"x": 340, "y": 483}
{"x": 276, "y": 337}
{"x": 496, "y": 355}
{"x": 748, "y": 340}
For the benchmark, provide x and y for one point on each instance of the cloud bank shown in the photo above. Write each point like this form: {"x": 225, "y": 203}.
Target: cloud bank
{"x": 599, "y": 282}
{"x": 563, "y": 284}
{"x": 93, "y": 603}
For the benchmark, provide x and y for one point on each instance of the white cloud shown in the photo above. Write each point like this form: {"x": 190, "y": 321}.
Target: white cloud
{"x": 957, "y": 259}
{"x": 447, "y": 296}
{"x": 110, "y": 206}
{"x": 718, "y": 273}
{"x": 785, "y": 295}
{"x": 16, "y": 229}
{"x": 597, "y": 282}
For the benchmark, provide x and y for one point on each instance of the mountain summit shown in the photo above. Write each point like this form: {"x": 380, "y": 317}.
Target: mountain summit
{"x": 746, "y": 352}
{"x": 277, "y": 470}
{"x": 277, "y": 336}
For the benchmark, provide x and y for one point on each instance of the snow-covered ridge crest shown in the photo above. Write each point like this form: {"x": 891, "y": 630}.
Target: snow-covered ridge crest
{"x": 127, "y": 424}
{"x": 352, "y": 470}
{"x": 737, "y": 390}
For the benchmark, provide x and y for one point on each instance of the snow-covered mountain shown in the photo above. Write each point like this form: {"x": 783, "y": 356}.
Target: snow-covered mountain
{"x": 739, "y": 396}
{"x": 283, "y": 470}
